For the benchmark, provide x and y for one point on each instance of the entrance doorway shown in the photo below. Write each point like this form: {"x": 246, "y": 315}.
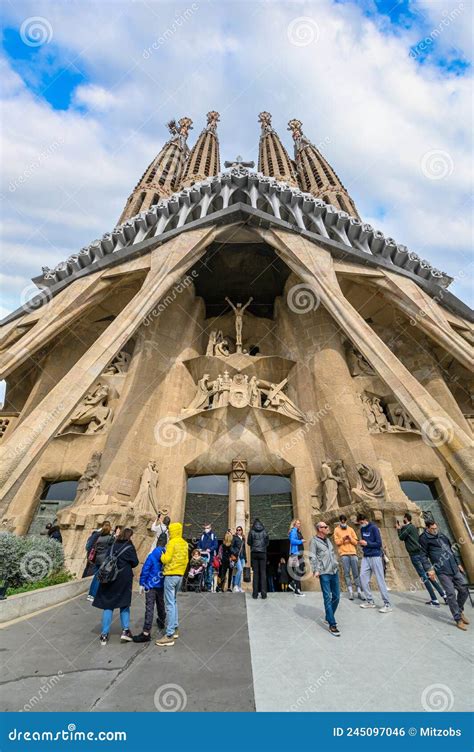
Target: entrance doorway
{"x": 55, "y": 496}
{"x": 271, "y": 502}
{"x": 425, "y": 495}
{"x": 207, "y": 500}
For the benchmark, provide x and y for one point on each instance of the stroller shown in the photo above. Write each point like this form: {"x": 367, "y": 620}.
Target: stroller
{"x": 194, "y": 581}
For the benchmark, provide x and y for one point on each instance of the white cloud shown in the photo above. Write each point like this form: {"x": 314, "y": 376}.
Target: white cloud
{"x": 95, "y": 97}
{"x": 356, "y": 89}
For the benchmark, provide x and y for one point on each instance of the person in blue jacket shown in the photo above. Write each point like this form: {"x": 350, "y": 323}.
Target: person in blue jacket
{"x": 295, "y": 561}
{"x": 372, "y": 563}
{"x": 152, "y": 582}
{"x": 208, "y": 544}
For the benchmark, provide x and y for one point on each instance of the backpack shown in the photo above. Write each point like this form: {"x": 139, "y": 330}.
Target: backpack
{"x": 108, "y": 570}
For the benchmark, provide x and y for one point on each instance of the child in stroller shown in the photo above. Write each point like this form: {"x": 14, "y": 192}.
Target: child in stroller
{"x": 197, "y": 568}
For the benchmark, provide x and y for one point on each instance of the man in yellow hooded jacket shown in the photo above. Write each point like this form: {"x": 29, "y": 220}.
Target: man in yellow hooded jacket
{"x": 175, "y": 560}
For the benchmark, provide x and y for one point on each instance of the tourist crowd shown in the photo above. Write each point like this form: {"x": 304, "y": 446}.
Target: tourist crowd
{"x": 219, "y": 567}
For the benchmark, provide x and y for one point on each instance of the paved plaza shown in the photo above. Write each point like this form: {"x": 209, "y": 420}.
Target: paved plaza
{"x": 237, "y": 654}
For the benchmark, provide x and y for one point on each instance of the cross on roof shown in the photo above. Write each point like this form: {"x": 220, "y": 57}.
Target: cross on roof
{"x": 239, "y": 162}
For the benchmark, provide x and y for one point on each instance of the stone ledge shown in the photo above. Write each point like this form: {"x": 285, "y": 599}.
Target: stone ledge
{"x": 24, "y": 604}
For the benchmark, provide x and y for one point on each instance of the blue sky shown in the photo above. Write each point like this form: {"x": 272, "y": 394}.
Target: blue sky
{"x": 384, "y": 87}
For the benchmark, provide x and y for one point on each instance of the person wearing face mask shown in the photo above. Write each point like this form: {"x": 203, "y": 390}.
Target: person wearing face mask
{"x": 372, "y": 564}
{"x": 346, "y": 541}
{"x": 208, "y": 545}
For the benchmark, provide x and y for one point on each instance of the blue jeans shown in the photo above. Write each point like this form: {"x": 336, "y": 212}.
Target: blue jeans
{"x": 209, "y": 573}
{"x": 95, "y": 582}
{"x": 108, "y": 615}
{"x": 172, "y": 587}
{"x": 239, "y": 565}
{"x": 331, "y": 593}
{"x": 416, "y": 560}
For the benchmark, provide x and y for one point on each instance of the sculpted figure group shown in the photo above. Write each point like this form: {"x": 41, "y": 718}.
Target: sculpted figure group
{"x": 241, "y": 390}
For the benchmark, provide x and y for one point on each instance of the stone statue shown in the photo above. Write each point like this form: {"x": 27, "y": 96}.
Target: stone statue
{"x": 146, "y": 500}
{"x": 93, "y": 412}
{"x": 224, "y": 384}
{"x": 120, "y": 363}
{"x": 330, "y": 484}
{"x": 343, "y": 485}
{"x": 239, "y": 310}
{"x": 377, "y": 421}
{"x": 222, "y": 347}
{"x": 88, "y": 484}
{"x": 211, "y": 345}
{"x": 370, "y": 484}
{"x": 217, "y": 345}
{"x": 202, "y": 397}
{"x": 401, "y": 419}
{"x": 278, "y": 400}
{"x": 240, "y": 391}
{"x": 358, "y": 366}
{"x": 254, "y": 392}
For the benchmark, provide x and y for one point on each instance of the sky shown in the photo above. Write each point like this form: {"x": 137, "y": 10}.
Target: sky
{"x": 383, "y": 87}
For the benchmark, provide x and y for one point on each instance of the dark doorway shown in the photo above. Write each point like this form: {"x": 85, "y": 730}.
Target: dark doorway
{"x": 271, "y": 502}
{"x": 55, "y": 496}
{"x": 207, "y": 500}
{"x": 425, "y": 495}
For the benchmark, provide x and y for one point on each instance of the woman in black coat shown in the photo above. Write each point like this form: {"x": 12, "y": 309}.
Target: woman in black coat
{"x": 118, "y": 594}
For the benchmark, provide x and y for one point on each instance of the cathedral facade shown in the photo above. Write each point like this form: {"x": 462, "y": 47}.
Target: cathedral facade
{"x": 241, "y": 344}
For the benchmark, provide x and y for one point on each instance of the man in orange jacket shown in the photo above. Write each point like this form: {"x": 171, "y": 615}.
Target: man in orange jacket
{"x": 346, "y": 540}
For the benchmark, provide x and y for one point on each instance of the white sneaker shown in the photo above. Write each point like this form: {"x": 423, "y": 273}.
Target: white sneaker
{"x": 385, "y": 610}
{"x": 300, "y": 595}
{"x": 368, "y": 604}
{"x": 90, "y": 598}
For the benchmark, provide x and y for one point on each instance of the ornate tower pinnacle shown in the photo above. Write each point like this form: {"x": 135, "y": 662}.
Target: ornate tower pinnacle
{"x": 163, "y": 176}
{"x": 273, "y": 159}
{"x": 204, "y": 160}
{"x": 315, "y": 174}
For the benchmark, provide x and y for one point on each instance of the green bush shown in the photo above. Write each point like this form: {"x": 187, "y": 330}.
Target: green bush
{"x": 25, "y": 560}
{"x": 54, "y": 579}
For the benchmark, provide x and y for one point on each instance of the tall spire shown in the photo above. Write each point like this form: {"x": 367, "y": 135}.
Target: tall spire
{"x": 163, "y": 176}
{"x": 315, "y": 174}
{"x": 204, "y": 160}
{"x": 273, "y": 159}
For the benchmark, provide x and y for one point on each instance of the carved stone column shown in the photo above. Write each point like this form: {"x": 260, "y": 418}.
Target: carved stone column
{"x": 239, "y": 495}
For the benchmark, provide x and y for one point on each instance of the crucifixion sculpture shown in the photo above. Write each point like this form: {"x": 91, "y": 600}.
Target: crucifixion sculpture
{"x": 239, "y": 316}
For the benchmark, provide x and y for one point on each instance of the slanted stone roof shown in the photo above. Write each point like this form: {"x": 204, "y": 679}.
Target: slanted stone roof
{"x": 274, "y": 202}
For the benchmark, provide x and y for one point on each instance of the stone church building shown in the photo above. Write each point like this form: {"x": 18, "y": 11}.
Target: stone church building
{"x": 241, "y": 344}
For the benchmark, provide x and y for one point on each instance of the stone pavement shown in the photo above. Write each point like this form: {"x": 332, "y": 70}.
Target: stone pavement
{"x": 237, "y": 654}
